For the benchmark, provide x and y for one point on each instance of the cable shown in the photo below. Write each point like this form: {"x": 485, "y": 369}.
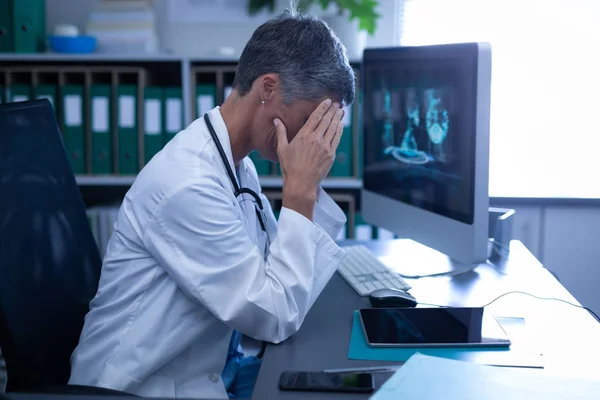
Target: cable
{"x": 527, "y": 294}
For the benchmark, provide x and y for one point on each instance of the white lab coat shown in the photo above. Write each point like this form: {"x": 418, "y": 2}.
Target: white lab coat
{"x": 185, "y": 266}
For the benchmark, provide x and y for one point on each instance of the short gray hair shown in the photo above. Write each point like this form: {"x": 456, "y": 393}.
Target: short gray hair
{"x": 308, "y": 57}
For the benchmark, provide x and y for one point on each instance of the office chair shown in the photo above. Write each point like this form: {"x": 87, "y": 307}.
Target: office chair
{"x": 49, "y": 261}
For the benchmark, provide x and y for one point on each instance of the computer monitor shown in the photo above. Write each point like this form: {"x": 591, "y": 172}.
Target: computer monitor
{"x": 426, "y": 113}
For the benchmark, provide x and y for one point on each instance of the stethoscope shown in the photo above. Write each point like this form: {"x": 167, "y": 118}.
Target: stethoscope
{"x": 237, "y": 190}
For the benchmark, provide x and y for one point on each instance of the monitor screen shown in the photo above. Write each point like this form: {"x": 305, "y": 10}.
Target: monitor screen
{"x": 419, "y": 143}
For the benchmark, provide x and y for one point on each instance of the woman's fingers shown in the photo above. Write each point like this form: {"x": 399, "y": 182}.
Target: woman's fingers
{"x": 332, "y": 129}
{"x": 317, "y": 115}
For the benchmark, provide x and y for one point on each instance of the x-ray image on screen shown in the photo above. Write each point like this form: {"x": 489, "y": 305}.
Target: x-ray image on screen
{"x": 413, "y": 140}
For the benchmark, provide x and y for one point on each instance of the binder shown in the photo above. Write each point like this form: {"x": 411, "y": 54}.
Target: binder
{"x": 19, "y": 93}
{"x": 342, "y": 166}
{"x": 28, "y": 25}
{"x": 362, "y": 230}
{"x": 73, "y": 126}
{"x": 46, "y": 92}
{"x": 6, "y": 27}
{"x": 360, "y": 141}
{"x": 173, "y": 113}
{"x": 227, "y": 92}
{"x": 153, "y": 116}
{"x": 100, "y": 99}
{"x": 263, "y": 166}
{"x": 206, "y": 98}
{"x": 127, "y": 130}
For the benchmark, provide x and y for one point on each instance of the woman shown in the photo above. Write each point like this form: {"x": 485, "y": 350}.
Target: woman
{"x": 193, "y": 259}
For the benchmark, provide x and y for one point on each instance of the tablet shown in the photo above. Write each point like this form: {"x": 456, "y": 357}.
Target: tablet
{"x": 431, "y": 327}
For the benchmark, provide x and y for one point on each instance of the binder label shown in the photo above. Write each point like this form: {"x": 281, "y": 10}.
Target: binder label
{"x": 126, "y": 112}
{"x": 152, "y": 117}
{"x": 18, "y": 98}
{"x": 206, "y": 103}
{"x": 100, "y": 114}
{"x": 347, "y": 119}
{"x": 174, "y": 109}
{"x": 228, "y": 90}
{"x": 73, "y": 110}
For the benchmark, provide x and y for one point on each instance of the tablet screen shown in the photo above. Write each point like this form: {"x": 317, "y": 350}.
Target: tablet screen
{"x": 423, "y": 326}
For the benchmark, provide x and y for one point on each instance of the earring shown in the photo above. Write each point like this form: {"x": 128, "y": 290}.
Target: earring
{"x": 262, "y": 101}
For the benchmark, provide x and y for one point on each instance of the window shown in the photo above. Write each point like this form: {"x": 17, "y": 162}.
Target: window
{"x": 545, "y": 115}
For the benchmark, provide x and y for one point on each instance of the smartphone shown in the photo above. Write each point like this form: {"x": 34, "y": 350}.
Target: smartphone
{"x": 327, "y": 381}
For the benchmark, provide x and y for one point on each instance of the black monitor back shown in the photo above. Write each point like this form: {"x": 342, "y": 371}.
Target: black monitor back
{"x": 49, "y": 261}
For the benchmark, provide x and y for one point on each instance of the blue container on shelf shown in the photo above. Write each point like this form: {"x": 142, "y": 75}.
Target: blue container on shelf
{"x": 72, "y": 44}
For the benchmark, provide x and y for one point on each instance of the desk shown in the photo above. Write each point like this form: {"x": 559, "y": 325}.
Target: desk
{"x": 569, "y": 337}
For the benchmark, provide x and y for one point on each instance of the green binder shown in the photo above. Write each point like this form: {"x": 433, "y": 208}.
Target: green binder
{"x": 206, "y": 98}
{"x": 6, "y": 27}
{"x": 100, "y": 113}
{"x": 263, "y": 166}
{"x": 362, "y": 230}
{"x": 360, "y": 141}
{"x": 46, "y": 92}
{"x": 28, "y": 25}
{"x": 127, "y": 129}
{"x": 153, "y": 127}
{"x": 173, "y": 113}
{"x": 19, "y": 93}
{"x": 73, "y": 126}
{"x": 342, "y": 166}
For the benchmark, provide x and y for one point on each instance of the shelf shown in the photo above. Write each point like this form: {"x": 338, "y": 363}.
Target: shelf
{"x": 116, "y": 57}
{"x": 266, "y": 182}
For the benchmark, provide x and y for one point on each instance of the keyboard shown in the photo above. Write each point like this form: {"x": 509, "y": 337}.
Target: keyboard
{"x": 365, "y": 273}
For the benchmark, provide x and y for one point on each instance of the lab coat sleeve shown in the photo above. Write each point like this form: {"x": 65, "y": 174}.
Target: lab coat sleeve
{"x": 328, "y": 215}
{"x": 198, "y": 237}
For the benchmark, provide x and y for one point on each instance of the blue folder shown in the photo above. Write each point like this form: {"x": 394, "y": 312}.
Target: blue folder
{"x": 519, "y": 354}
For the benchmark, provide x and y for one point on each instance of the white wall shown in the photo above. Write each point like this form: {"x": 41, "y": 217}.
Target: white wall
{"x": 564, "y": 239}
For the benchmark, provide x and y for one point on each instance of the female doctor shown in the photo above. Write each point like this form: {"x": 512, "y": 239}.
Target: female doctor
{"x": 196, "y": 254}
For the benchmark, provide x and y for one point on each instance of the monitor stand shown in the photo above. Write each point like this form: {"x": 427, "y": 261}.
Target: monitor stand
{"x": 412, "y": 259}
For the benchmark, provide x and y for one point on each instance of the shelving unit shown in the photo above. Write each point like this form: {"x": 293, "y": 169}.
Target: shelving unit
{"x": 188, "y": 76}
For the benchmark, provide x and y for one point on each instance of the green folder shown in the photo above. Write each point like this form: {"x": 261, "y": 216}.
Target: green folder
{"x": 342, "y": 166}
{"x": 153, "y": 127}
{"x": 100, "y": 114}
{"x": 6, "y": 26}
{"x": 360, "y": 141}
{"x": 173, "y": 121}
{"x": 206, "y": 98}
{"x": 263, "y": 166}
{"x": 362, "y": 230}
{"x": 32, "y": 15}
{"x": 127, "y": 129}
{"x": 73, "y": 126}
{"x": 520, "y": 356}
{"x": 46, "y": 92}
{"x": 19, "y": 93}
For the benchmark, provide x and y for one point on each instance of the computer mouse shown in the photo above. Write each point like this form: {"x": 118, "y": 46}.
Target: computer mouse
{"x": 391, "y": 298}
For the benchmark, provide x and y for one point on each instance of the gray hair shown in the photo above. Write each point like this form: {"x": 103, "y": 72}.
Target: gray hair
{"x": 308, "y": 57}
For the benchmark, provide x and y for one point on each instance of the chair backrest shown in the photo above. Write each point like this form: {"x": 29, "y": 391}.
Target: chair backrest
{"x": 49, "y": 261}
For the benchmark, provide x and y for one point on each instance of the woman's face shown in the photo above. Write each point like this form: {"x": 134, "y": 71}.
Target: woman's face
{"x": 293, "y": 115}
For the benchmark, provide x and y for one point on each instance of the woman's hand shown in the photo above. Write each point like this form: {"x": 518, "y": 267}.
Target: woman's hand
{"x": 307, "y": 159}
